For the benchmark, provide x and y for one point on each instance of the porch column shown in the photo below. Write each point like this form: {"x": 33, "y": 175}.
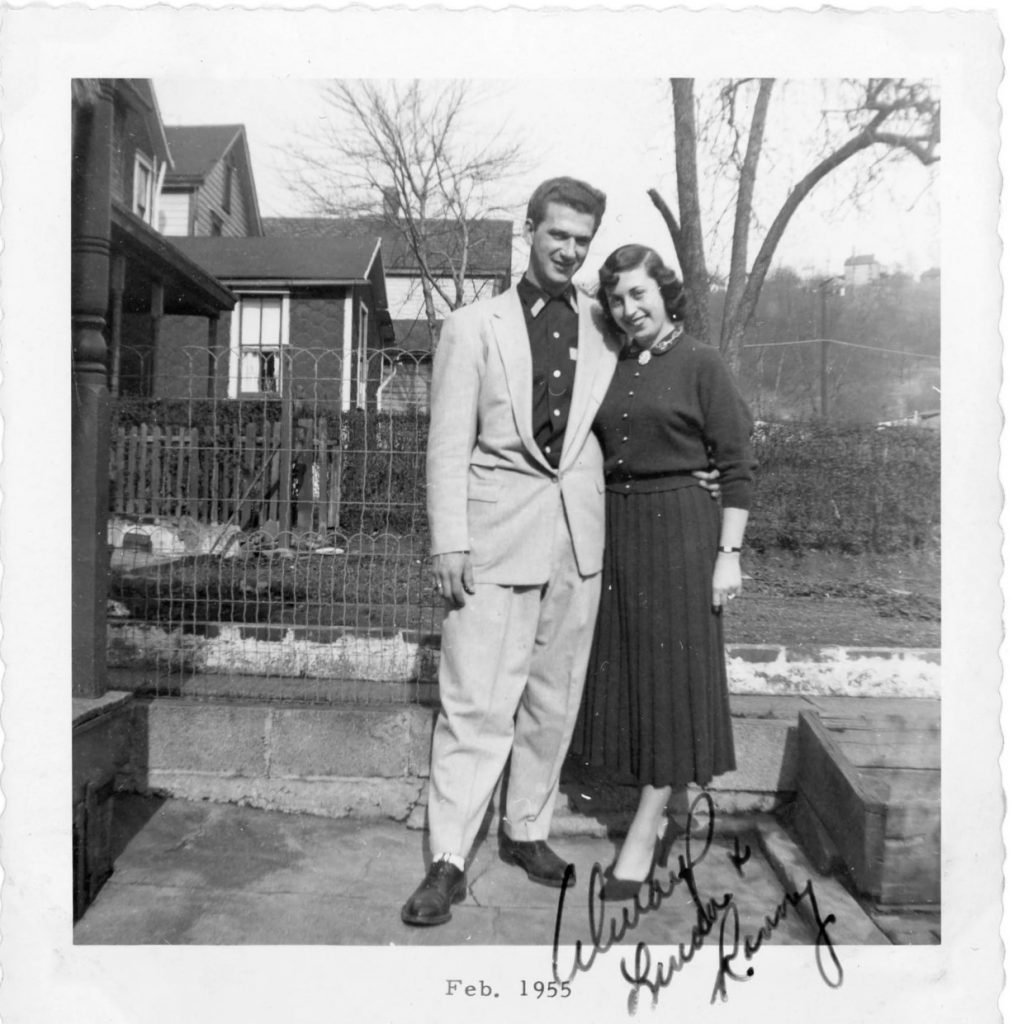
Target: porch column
{"x": 157, "y": 309}
{"x": 117, "y": 283}
{"x": 213, "y": 322}
{"x": 90, "y": 216}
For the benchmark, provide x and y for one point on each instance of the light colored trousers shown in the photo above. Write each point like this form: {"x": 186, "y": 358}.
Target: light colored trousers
{"x": 512, "y": 669}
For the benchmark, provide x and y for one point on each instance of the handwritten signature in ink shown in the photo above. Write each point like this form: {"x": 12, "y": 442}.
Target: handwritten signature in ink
{"x": 710, "y": 912}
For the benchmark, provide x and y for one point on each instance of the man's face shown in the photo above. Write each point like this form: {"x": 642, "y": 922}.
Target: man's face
{"x": 559, "y": 246}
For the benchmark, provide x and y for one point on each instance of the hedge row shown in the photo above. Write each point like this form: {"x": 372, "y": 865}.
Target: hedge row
{"x": 846, "y": 488}
{"x": 818, "y": 486}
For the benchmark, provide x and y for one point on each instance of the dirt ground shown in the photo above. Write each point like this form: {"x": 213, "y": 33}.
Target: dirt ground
{"x": 828, "y": 598}
{"x": 789, "y": 598}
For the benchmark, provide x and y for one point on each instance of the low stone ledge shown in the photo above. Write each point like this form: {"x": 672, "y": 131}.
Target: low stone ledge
{"x": 410, "y": 659}
{"x": 330, "y": 798}
{"x": 86, "y": 710}
{"x": 835, "y": 671}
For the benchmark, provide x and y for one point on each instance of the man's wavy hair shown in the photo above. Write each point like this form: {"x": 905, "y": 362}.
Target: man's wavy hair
{"x": 631, "y": 257}
{"x": 572, "y": 192}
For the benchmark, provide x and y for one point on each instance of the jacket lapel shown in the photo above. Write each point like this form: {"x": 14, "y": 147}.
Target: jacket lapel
{"x": 511, "y": 334}
{"x": 595, "y": 363}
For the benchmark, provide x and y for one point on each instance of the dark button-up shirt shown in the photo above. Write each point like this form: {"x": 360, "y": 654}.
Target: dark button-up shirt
{"x": 552, "y": 323}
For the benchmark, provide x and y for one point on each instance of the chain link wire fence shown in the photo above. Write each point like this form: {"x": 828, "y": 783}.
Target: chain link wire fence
{"x": 268, "y": 535}
{"x": 267, "y": 529}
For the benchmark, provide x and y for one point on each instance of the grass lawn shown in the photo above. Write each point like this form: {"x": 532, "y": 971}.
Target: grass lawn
{"x": 829, "y": 598}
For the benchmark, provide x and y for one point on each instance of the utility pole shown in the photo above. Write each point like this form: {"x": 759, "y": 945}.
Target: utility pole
{"x": 824, "y": 345}
{"x": 826, "y": 283}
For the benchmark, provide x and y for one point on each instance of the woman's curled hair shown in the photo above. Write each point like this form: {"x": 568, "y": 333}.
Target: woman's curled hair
{"x": 630, "y": 257}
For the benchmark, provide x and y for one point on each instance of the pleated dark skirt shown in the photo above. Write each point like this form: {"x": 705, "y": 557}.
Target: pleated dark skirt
{"x": 655, "y": 705}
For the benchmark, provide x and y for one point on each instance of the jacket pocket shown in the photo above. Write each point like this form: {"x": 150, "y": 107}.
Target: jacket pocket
{"x": 483, "y": 490}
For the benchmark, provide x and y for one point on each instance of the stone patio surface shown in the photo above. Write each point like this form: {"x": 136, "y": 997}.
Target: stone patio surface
{"x": 204, "y": 873}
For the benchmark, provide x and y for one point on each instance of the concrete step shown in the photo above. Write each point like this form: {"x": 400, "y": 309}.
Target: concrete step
{"x": 372, "y": 761}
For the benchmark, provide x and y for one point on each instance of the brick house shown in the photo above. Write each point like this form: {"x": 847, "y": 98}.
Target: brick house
{"x": 310, "y": 321}
{"x": 209, "y": 190}
{"x": 407, "y": 368}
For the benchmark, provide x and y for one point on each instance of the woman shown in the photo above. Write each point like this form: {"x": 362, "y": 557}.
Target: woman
{"x": 656, "y": 701}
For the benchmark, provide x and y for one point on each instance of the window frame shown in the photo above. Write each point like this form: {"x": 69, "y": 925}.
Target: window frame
{"x": 236, "y": 346}
{"x": 230, "y": 174}
{"x": 142, "y": 161}
{"x": 362, "y": 362}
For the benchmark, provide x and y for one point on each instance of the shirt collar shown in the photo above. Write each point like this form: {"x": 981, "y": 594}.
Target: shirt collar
{"x": 535, "y": 300}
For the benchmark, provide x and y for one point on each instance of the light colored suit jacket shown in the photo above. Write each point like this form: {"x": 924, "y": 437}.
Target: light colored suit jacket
{"x": 490, "y": 490}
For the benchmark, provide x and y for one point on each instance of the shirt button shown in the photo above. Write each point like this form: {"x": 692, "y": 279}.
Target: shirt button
{"x": 555, "y": 334}
{"x": 555, "y": 412}
{"x": 556, "y": 373}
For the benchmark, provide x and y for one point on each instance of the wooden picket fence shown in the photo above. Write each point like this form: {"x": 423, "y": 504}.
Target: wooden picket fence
{"x": 289, "y": 474}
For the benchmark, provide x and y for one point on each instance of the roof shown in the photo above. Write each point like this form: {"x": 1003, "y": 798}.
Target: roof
{"x": 197, "y": 148}
{"x": 188, "y": 287}
{"x": 318, "y": 261}
{"x": 489, "y": 254}
{"x": 854, "y": 261}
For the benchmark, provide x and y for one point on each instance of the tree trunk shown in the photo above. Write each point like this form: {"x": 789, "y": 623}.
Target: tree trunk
{"x": 743, "y": 215}
{"x": 746, "y": 306}
{"x": 688, "y": 239}
{"x": 432, "y": 320}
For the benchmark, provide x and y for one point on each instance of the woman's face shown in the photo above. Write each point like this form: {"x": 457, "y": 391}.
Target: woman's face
{"x": 638, "y": 307}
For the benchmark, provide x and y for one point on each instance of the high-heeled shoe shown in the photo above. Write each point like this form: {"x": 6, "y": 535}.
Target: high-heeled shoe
{"x": 615, "y": 889}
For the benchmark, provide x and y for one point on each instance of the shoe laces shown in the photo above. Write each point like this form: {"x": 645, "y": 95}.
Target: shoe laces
{"x": 437, "y": 870}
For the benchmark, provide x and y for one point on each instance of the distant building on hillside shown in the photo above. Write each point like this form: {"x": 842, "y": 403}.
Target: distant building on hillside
{"x": 861, "y": 270}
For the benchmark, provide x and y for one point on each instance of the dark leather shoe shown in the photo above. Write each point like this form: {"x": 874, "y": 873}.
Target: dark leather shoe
{"x": 430, "y": 903}
{"x": 542, "y": 865}
{"x": 614, "y": 889}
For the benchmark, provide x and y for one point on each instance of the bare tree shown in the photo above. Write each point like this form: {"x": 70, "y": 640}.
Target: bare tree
{"x": 897, "y": 116}
{"x": 402, "y": 152}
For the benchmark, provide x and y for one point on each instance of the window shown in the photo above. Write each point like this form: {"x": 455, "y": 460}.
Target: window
{"x": 217, "y": 225}
{"x": 174, "y": 213}
{"x": 230, "y": 174}
{"x": 144, "y": 187}
{"x": 363, "y": 362}
{"x": 259, "y": 336}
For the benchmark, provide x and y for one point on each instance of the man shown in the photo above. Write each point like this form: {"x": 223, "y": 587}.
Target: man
{"x": 516, "y": 512}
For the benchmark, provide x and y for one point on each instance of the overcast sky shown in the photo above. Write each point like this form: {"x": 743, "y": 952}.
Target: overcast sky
{"x": 617, "y": 135}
